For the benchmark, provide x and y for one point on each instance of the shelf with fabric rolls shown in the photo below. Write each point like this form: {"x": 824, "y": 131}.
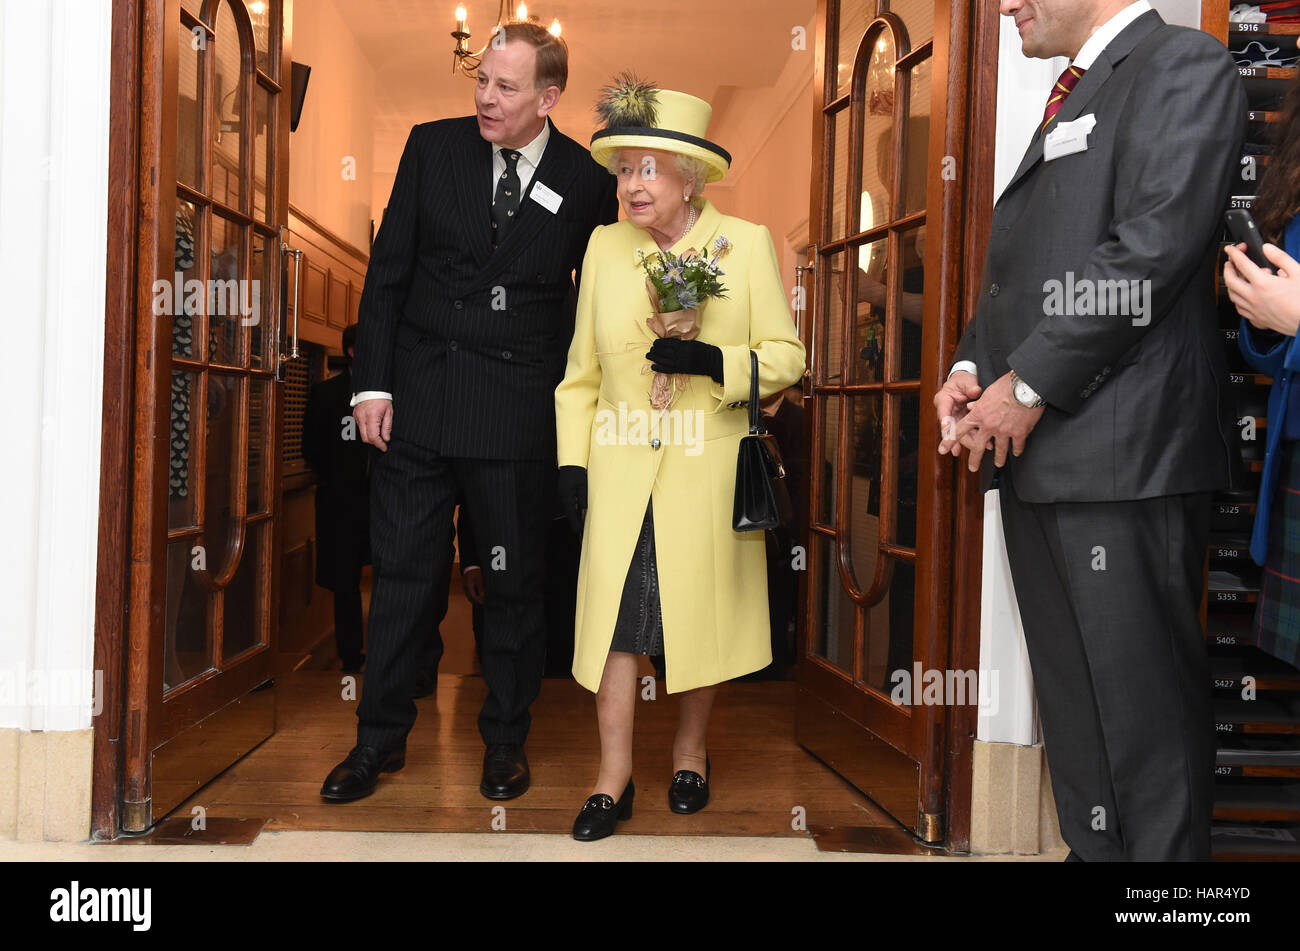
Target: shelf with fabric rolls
{"x": 1271, "y": 55}
{"x": 1232, "y": 588}
{"x": 1256, "y": 755}
{"x": 1265, "y": 29}
{"x": 1230, "y": 549}
{"x": 1228, "y": 630}
{"x": 1254, "y": 669}
{"x": 1285, "y": 73}
{"x": 1256, "y": 697}
{"x": 1229, "y": 516}
{"x": 1258, "y": 800}
{"x": 1246, "y": 843}
{"x": 1251, "y": 379}
{"x": 1274, "y": 713}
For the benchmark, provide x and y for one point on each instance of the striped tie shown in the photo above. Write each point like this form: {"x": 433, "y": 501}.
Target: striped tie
{"x": 1064, "y": 86}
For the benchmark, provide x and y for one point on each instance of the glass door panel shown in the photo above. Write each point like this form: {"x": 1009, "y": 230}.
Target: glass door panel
{"x": 870, "y": 340}
{"x": 207, "y": 569}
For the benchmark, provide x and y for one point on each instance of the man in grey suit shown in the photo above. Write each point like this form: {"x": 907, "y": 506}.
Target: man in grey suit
{"x": 1088, "y": 383}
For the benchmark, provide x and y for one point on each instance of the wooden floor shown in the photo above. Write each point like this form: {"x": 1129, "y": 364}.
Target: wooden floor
{"x": 761, "y": 781}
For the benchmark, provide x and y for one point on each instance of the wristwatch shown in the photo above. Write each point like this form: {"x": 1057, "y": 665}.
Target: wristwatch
{"x": 1024, "y": 393}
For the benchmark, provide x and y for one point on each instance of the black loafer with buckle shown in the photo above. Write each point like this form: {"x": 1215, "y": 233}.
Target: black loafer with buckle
{"x": 689, "y": 791}
{"x": 600, "y": 814}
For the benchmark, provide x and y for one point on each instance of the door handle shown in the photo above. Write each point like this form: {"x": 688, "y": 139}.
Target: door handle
{"x": 810, "y": 307}
{"x": 294, "y": 353}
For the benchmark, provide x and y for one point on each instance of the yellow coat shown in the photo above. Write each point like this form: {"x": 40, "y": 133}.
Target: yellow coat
{"x": 712, "y": 580}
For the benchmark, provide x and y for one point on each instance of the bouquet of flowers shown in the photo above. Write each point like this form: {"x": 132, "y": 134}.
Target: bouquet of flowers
{"x": 679, "y": 286}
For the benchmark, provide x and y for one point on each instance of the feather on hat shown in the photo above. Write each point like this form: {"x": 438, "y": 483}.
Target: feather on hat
{"x": 628, "y": 101}
{"x": 637, "y": 114}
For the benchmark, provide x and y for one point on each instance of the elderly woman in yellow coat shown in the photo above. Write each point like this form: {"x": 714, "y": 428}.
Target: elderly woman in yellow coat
{"x": 662, "y": 570}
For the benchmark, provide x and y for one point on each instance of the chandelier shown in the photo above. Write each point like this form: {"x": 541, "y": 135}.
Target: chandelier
{"x": 467, "y": 61}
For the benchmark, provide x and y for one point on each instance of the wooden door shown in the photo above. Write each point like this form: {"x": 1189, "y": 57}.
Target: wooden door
{"x": 884, "y": 310}
{"x": 214, "y": 198}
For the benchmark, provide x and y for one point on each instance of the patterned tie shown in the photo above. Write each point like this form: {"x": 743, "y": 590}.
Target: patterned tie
{"x": 506, "y": 201}
{"x": 1064, "y": 86}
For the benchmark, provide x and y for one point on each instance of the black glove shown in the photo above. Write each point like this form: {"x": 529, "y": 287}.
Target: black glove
{"x": 674, "y": 355}
{"x": 571, "y": 485}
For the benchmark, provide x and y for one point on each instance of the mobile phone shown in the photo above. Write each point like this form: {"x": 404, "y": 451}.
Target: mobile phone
{"x": 1241, "y": 226}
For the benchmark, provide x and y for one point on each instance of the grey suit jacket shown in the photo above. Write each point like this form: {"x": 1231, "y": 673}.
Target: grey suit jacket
{"x": 1132, "y": 376}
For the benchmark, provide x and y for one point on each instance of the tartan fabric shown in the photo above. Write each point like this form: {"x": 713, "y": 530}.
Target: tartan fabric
{"x": 1277, "y": 617}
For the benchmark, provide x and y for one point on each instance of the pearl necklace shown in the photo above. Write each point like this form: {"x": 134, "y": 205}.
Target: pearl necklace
{"x": 690, "y": 223}
{"x": 691, "y": 217}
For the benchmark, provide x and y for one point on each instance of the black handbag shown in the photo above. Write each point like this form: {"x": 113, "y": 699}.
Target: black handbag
{"x": 762, "y": 499}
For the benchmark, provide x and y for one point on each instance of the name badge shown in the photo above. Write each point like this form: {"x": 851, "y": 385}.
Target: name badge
{"x": 1068, "y": 138}
{"x": 546, "y": 198}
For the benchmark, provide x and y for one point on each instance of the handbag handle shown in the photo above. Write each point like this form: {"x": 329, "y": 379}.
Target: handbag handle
{"x": 756, "y": 427}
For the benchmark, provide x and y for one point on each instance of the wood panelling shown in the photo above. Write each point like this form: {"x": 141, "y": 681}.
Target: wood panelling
{"x": 315, "y": 288}
{"x": 333, "y": 274}
{"x": 337, "y": 308}
{"x": 354, "y": 302}
{"x": 334, "y": 271}
{"x": 305, "y": 611}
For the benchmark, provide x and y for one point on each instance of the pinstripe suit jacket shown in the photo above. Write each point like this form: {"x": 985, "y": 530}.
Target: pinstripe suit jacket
{"x": 472, "y": 341}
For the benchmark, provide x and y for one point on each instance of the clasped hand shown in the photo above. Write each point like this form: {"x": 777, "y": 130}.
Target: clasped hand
{"x": 982, "y": 420}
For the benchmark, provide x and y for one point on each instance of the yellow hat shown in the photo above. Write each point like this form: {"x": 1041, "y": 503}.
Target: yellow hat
{"x": 638, "y": 115}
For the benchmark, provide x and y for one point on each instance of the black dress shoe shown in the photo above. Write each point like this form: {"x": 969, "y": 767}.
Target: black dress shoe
{"x": 689, "y": 791}
{"x": 600, "y": 814}
{"x": 356, "y": 776}
{"x": 353, "y": 665}
{"x": 505, "y": 772}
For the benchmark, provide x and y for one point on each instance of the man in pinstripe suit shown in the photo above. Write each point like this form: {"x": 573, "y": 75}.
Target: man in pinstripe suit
{"x": 465, "y": 324}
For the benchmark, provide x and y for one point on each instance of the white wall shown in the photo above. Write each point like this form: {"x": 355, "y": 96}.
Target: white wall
{"x": 1181, "y": 12}
{"x": 337, "y": 123}
{"x": 768, "y": 131}
{"x": 54, "y": 72}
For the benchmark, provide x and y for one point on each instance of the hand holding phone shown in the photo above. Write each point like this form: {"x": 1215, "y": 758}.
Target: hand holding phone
{"x": 1269, "y": 302}
{"x": 1242, "y": 228}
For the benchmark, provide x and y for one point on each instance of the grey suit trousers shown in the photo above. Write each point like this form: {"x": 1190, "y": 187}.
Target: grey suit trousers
{"x": 1109, "y": 596}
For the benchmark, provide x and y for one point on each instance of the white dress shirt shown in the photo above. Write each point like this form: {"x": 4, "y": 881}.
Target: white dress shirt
{"x": 530, "y": 157}
{"x": 1087, "y": 55}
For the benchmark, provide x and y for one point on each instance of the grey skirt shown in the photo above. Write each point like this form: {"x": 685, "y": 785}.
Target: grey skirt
{"x": 640, "y": 625}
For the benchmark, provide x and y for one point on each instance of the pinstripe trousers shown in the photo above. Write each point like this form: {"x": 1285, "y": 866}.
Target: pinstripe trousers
{"x": 413, "y": 493}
